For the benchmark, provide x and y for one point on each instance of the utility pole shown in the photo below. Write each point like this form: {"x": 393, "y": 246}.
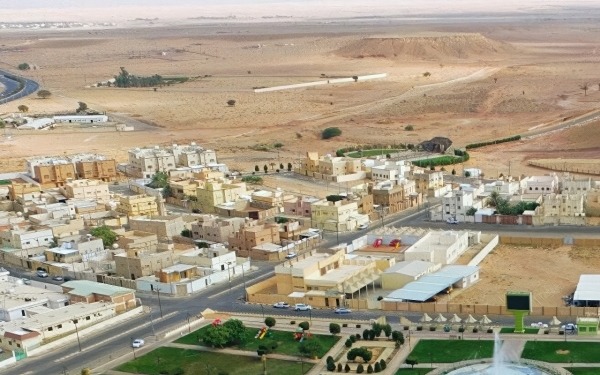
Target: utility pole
{"x": 77, "y": 332}
{"x": 188, "y": 320}
{"x": 159, "y": 304}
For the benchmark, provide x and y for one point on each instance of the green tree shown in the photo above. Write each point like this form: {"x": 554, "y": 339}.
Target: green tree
{"x": 256, "y": 168}
{"x": 186, "y": 233}
{"x": 289, "y": 167}
{"x": 339, "y": 367}
{"x": 363, "y": 353}
{"x": 270, "y": 321}
{"x": 44, "y": 94}
{"x": 383, "y": 364}
{"x": 412, "y": 361}
{"x": 348, "y": 343}
{"x": 453, "y": 171}
{"x": 377, "y": 328}
{"x": 330, "y": 366}
{"x": 217, "y": 336}
{"x": 334, "y": 328}
{"x": 23, "y": 66}
{"x": 266, "y": 169}
{"x": 377, "y": 367}
{"x": 372, "y": 334}
{"x": 159, "y": 180}
{"x": 310, "y": 347}
{"x": 493, "y": 199}
{"x": 304, "y": 325}
{"x": 107, "y": 236}
{"x": 23, "y": 108}
{"x": 365, "y": 334}
{"x": 369, "y": 369}
{"x": 347, "y": 368}
{"x": 387, "y": 330}
{"x": 167, "y": 192}
{"x": 398, "y": 337}
{"x": 471, "y": 211}
{"x": 330, "y": 133}
{"x": 82, "y": 107}
{"x": 360, "y": 369}
{"x": 467, "y": 174}
{"x": 236, "y": 330}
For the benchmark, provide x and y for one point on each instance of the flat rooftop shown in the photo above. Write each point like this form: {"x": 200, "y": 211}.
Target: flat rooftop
{"x": 17, "y": 293}
{"x": 411, "y": 268}
{"x": 85, "y": 288}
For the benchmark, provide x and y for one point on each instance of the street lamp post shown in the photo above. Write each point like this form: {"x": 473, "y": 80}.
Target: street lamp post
{"x": 188, "y": 320}
{"x": 263, "y": 310}
{"x": 159, "y": 304}
{"x": 152, "y": 322}
{"x": 77, "y": 332}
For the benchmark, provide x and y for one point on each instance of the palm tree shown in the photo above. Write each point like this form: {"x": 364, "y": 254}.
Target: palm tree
{"x": 493, "y": 199}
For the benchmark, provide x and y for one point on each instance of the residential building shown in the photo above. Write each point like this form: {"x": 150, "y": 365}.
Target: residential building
{"x": 300, "y": 206}
{"x": 456, "y": 203}
{"x": 340, "y": 216}
{"x": 97, "y": 169}
{"x": 214, "y": 193}
{"x": 504, "y": 188}
{"x": 252, "y": 234}
{"x": 148, "y": 161}
{"x": 566, "y": 209}
{"x": 83, "y": 249}
{"x": 210, "y": 228}
{"x": 81, "y": 119}
{"x": 338, "y": 169}
{"x": 138, "y": 240}
{"x": 546, "y": 184}
{"x": 86, "y": 189}
{"x": 192, "y": 155}
{"x": 428, "y": 183}
{"x": 91, "y": 292}
{"x": 55, "y": 174}
{"x": 24, "y": 191}
{"x": 383, "y": 170}
{"x": 216, "y": 258}
{"x": 572, "y": 185}
{"x": 395, "y": 198}
{"x": 137, "y": 205}
{"x": 270, "y": 199}
{"x": 162, "y": 226}
{"x": 441, "y": 247}
{"x": 24, "y": 239}
{"x": 184, "y": 188}
{"x": 405, "y": 272}
{"x": 145, "y": 263}
{"x": 244, "y": 208}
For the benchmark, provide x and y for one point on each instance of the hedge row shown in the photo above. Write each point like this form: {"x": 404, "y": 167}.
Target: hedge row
{"x": 497, "y": 141}
{"x": 442, "y": 160}
{"x": 394, "y": 146}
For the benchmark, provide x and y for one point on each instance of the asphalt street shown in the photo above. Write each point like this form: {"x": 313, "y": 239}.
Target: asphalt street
{"x": 10, "y": 85}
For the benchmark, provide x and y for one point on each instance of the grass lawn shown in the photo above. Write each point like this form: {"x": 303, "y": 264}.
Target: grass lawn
{"x": 578, "y": 352}
{"x": 416, "y": 371}
{"x": 584, "y": 370}
{"x": 5, "y": 182}
{"x": 174, "y": 361}
{"x": 285, "y": 341}
{"x": 527, "y": 330}
{"x": 444, "y": 351}
{"x": 366, "y": 153}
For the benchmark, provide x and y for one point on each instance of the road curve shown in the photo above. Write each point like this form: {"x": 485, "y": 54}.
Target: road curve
{"x": 10, "y": 85}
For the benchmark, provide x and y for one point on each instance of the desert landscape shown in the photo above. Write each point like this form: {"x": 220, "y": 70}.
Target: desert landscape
{"x": 468, "y": 81}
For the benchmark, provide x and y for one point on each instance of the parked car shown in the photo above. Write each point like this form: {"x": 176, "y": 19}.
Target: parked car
{"x": 342, "y": 310}
{"x": 137, "y": 343}
{"x": 452, "y": 220}
{"x": 281, "y": 305}
{"x": 42, "y": 273}
{"x": 291, "y": 255}
{"x": 57, "y": 278}
{"x": 302, "y": 307}
{"x": 67, "y": 278}
{"x": 26, "y": 281}
{"x": 363, "y": 226}
{"x": 569, "y": 327}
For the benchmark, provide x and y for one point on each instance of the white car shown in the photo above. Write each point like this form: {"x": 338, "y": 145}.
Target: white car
{"x": 302, "y": 307}
{"x": 363, "y": 226}
{"x": 291, "y": 255}
{"x": 137, "y": 343}
{"x": 281, "y": 305}
{"x": 342, "y": 310}
{"x": 41, "y": 273}
{"x": 452, "y": 221}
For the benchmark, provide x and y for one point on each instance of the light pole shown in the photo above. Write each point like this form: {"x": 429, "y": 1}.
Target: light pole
{"x": 229, "y": 275}
{"x": 152, "y": 322}
{"x": 77, "y": 332}
{"x": 244, "y": 280}
{"x": 133, "y": 348}
{"x": 188, "y": 320}
{"x": 159, "y": 304}
{"x": 263, "y": 310}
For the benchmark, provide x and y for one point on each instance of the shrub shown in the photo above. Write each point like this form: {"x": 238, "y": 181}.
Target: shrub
{"x": 23, "y": 66}
{"x": 475, "y": 330}
{"x": 278, "y": 145}
{"x": 298, "y": 135}
{"x": 348, "y": 343}
{"x": 186, "y": 233}
{"x": 412, "y": 361}
{"x": 304, "y": 325}
{"x": 329, "y": 359}
{"x": 253, "y": 179}
{"x": 398, "y": 337}
{"x": 387, "y": 330}
{"x": 383, "y": 364}
{"x": 467, "y": 174}
{"x": 369, "y": 369}
{"x": 453, "y": 171}
{"x": 409, "y": 128}
{"x": 360, "y": 369}
{"x": 497, "y": 141}
{"x": 339, "y": 367}
{"x": 231, "y": 102}
{"x": 426, "y": 74}
{"x": 330, "y": 133}
{"x": 363, "y": 353}
{"x": 353, "y": 338}
{"x": 330, "y": 366}
{"x": 377, "y": 329}
{"x": 365, "y": 334}
{"x": 372, "y": 335}
{"x": 270, "y": 322}
{"x": 289, "y": 167}
{"x": 432, "y": 328}
{"x": 347, "y": 368}
{"x": 310, "y": 347}
{"x": 334, "y": 328}
{"x": 379, "y": 298}
{"x": 357, "y": 336}
{"x": 256, "y": 168}
{"x": 377, "y": 367}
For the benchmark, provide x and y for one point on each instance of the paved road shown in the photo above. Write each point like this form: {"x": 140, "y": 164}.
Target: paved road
{"x": 10, "y": 85}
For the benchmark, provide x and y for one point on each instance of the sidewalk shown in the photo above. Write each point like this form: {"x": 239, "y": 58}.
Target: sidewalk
{"x": 316, "y": 370}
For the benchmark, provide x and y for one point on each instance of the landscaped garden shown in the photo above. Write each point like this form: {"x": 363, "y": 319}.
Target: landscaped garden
{"x": 445, "y": 351}
{"x": 367, "y": 153}
{"x": 413, "y": 371}
{"x": 562, "y": 352}
{"x": 531, "y": 331}
{"x": 174, "y": 361}
{"x": 285, "y": 341}
{"x": 584, "y": 370}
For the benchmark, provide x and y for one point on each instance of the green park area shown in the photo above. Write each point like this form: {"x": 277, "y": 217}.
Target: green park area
{"x": 562, "y": 352}
{"x": 445, "y": 351}
{"x": 531, "y": 331}
{"x": 366, "y": 153}
{"x": 5, "y": 182}
{"x": 584, "y": 370}
{"x": 286, "y": 344}
{"x": 174, "y": 361}
{"x": 411, "y": 371}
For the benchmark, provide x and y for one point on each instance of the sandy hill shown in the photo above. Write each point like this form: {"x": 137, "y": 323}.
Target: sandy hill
{"x": 426, "y": 47}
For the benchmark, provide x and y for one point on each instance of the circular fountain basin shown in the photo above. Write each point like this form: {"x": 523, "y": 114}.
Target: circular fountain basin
{"x": 505, "y": 369}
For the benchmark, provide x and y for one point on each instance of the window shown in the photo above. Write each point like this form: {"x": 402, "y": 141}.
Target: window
{"x": 49, "y": 329}
{"x": 59, "y": 326}
{"x": 87, "y": 318}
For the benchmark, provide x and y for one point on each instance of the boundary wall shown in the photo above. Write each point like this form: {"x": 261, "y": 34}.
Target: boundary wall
{"x": 320, "y": 83}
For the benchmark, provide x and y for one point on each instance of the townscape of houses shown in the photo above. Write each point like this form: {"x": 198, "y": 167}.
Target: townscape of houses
{"x": 109, "y": 231}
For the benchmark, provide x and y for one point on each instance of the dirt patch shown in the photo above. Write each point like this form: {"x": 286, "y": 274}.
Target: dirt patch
{"x": 565, "y": 352}
{"x": 67, "y": 43}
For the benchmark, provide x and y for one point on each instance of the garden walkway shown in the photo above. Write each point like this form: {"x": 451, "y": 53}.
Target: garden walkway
{"x": 283, "y": 357}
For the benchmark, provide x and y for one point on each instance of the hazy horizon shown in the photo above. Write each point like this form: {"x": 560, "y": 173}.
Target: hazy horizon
{"x": 120, "y": 10}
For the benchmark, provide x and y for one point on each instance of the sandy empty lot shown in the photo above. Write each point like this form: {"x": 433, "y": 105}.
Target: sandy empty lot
{"x": 549, "y": 274}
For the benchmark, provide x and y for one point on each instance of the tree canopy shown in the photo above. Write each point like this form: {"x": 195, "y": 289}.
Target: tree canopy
{"x": 124, "y": 79}
{"x": 310, "y": 347}
{"x": 44, "y": 94}
{"x": 106, "y": 234}
{"x": 159, "y": 180}
{"x": 331, "y": 132}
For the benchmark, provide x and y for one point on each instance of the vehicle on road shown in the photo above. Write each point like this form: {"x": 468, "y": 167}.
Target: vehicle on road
{"x": 41, "y": 273}
{"x": 342, "y": 310}
{"x": 452, "y": 220}
{"x": 363, "y": 227}
{"x": 281, "y": 305}
{"x": 67, "y": 278}
{"x": 569, "y": 327}
{"x": 291, "y": 255}
{"x": 302, "y": 307}
{"x": 138, "y": 343}
{"x": 26, "y": 281}
{"x": 57, "y": 278}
